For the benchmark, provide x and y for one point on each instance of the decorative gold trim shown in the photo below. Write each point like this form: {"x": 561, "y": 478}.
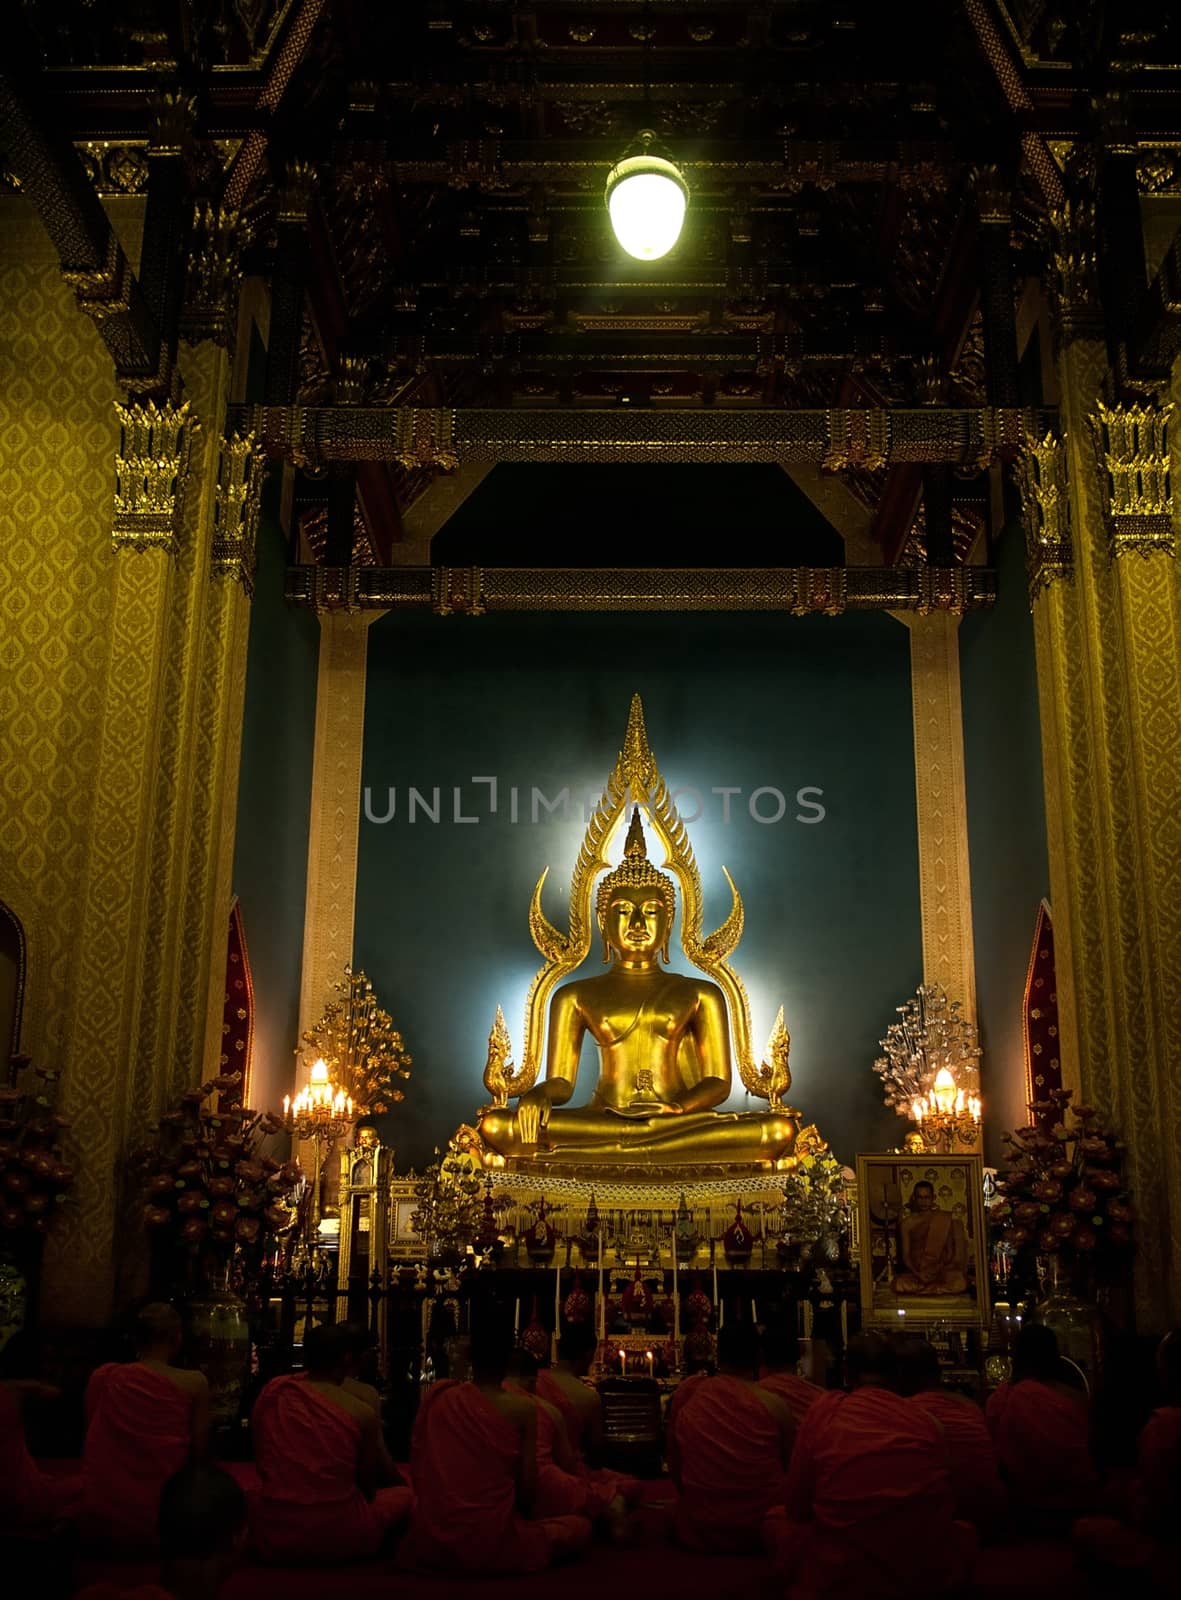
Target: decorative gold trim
{"x": 1040, "y": 471}
{"x": 945, "y": 885}
{"x": 796, "y": 591}
{"x": 241, "y": 470}
{"x": 330, "y": 895}
{"x": 636, "y": 780}
{"x": 418, "y": 436}
{"x": 151, "y": 470}
{"x": 1133, "y": 445}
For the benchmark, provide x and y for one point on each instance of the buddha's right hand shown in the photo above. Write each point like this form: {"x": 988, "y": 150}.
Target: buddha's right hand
{"x": 532, "y": 1114}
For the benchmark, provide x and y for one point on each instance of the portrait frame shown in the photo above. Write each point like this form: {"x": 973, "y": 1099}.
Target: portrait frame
{"x": 898, "y": 1254}
{"x": 404, "y": 1243}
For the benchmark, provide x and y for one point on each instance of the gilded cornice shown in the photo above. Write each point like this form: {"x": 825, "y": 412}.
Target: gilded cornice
{"x": 834, "y": 438}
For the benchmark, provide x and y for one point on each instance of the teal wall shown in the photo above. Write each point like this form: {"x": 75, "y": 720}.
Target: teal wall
{"x": 832, "y": 911}
{"x": 1006, "y": 826}
{"x": 274, "y": 801}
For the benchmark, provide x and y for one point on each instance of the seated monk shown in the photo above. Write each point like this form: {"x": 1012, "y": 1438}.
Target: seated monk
{"x": 664, "y": 1049}
{"x": 933, "y": 1246}
{"x": 1145, "y": 1543}
{"x": 781, "y": 1356}
{"x": 728, "y": 1447}
{"x": 980, "y": 1496}
{"x": 317, "y": 1449}
{"x": 202, "y": 1532}
{"x": 145, "y": 1420}
{"x": 33, "y": 1502}
{"x": 868, "y": 1508}
{"x": 565, "y": 1485}
{"x": 561, "y": 1385}
{"x": 473, "y": 1463}
{"x": 1041, "y": 1429}
{"x": 362, "y": 1358}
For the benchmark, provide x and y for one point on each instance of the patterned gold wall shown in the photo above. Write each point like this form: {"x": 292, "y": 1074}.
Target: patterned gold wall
{"x": 122, "y": 718}
{"x": 57, "y": 581}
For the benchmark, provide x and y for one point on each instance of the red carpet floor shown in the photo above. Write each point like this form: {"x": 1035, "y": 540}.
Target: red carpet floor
{"x": 654, "y": 1568}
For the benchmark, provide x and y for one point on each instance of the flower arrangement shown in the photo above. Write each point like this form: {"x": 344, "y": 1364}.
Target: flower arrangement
{"x": 34, "y": 1180}
{"x": 1063, "y": 1195}
{"x": 213, "y": 1201}
{"x": 450, "y": 1204}
{"x": 362, "y": 1047}
{"x": 814, "y": 1197}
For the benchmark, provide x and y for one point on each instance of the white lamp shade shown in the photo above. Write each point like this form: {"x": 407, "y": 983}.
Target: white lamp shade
{"x": 646, "y": 200}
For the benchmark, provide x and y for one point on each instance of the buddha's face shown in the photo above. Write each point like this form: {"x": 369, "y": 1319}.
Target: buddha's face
{"x": 922, "y": 1197}
{"x": 635, "y": 924}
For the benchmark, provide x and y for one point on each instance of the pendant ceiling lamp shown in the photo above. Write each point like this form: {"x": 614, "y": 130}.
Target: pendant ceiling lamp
{"x": 646, "y": 200}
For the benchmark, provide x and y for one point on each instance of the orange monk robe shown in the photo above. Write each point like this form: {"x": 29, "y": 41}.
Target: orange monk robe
{"x": 1156, "y": 1487}
{"x": 138, "y": 1433}
{"x": 31, "y": 1500}
{"x": 868, "y": 1509}
{"x": 607, "y": 1484}
{"x": 463, "y": 1464}
{"x": 310, "y": 1506}
{"x": 731, "y": 1447}
{"x": 980, "y": 1496}
{"x": 1042, "y": 1436}
{"x": 796, "y": 1393}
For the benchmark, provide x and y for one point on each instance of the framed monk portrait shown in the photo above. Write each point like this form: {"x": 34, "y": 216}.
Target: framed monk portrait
{"x": 923, "y": 1250}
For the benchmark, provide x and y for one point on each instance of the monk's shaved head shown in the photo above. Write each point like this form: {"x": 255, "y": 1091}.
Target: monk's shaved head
{"x": 157, "y": 1326}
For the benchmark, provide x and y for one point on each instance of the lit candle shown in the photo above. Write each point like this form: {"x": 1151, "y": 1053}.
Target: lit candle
{"x": 650, "y": 1365}
{"x": 623, "y": 1363}
{"x": 901, "y": 1316}
{"x": 286, "y": 1105}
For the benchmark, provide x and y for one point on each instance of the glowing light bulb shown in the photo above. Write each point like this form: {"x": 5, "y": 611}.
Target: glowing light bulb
{"x": 646, "y": 201}
{"x": 944, "y": 1091}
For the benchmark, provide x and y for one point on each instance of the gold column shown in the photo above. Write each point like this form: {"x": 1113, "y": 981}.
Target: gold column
{"x": 1109, "y": 667}
{"x": 336, "y": 808}
{"x": 944, "y": 878}
{"x": 112, "y": 895}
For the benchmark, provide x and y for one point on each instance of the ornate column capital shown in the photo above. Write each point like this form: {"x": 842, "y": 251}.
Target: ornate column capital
{"x": 241, "y": 471}
{"x": 151, "y": 471}
{"x": 1073, "y": 276}
{"x": 214, "y": 273}
{"x": 1040, "y": 470}
{"x": 1133, "y": 446}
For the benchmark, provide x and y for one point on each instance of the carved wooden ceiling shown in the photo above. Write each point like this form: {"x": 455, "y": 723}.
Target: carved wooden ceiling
{"x": 422, "y": 187}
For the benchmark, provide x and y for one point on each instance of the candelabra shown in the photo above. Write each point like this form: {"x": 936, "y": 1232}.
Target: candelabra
{"x": 929, "y": 1072}
{"x": 947, "y": 1115}
{"x": 322, "y": 1113}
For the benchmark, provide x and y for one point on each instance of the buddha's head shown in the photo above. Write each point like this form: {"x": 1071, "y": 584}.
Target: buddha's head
{"x": 636, "y": 903}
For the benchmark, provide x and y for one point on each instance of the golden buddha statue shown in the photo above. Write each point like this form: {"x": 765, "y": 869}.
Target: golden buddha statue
{"x": 664, "y": 1038}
